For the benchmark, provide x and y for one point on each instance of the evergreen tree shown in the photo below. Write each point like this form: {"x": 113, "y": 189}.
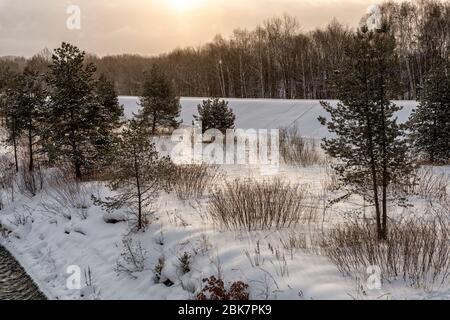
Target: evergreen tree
{"x": 5, "y": 76}
{"x": 108, "y": 115}
{"x": 160, "y": 105}
{"x": 76, "y": 113}
{"x": 30, "y": 103}
{"x": 431, "y": 120}
{"x": 369, "y": 144}
{"x": 137, "y": 173}
{"x": 12, "y": 115}
{"x": 215, "y": 114}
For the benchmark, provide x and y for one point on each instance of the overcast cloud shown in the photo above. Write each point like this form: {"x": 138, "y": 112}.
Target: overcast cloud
{"x": 152, "y": 26}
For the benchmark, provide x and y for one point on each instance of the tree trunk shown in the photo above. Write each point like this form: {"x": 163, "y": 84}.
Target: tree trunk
{"x": 30, "y": 147}
{"x": 372, "y": 162}
{"x": 385, "y": 176}
{"x": 16, "y": 161}
{"x": 138, "y": 185}
{"x": 374, "y": 181}
{"x": 154, "y": 123}
{"x": 14, "y": 140}
{"x": 77, "y": 165}
{"x": 384, "y": 153}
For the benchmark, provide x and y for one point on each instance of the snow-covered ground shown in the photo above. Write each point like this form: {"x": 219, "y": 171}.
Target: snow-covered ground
{"x": 47, "y": 243}
{"x": 268, "y": 113}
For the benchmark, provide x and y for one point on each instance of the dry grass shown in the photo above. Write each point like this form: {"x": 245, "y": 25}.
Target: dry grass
{"x": 427, "y": 184}
{"x": 254, "y": 205}
{"x": 7, "y": 176}
{"x": 192, "y": 181}
{"x": 416, "y": 250}
{"x": 296, "y": 150}
{"x": 30, "y": 183}
{"x": 66, "y": 195}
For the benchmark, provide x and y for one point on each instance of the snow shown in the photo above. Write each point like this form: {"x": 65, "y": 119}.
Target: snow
{"x": 52, "y": 243}
{"x": 268, "y": 113}
{"x": 49, "y": 243}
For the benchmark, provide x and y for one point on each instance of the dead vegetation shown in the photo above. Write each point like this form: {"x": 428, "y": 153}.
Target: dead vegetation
{"x": 259, "y": 205}
{"x": 296, "y": 150}
{"x": 416, "y": 250}
{"x": 193, "y": 180}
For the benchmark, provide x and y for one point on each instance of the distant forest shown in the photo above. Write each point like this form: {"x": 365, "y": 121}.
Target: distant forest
{"x": 277, "y": 59}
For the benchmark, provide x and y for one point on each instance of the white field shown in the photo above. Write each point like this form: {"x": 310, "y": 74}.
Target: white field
{"x": 268, "y": 113}
{"x": 48, "y": 243}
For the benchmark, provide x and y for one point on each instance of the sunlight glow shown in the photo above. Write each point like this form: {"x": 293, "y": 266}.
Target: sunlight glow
{"x": 183, "y": 5}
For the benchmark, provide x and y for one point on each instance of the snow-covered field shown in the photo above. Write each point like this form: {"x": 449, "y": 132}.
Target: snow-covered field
{"x": 267, "y": 113}
{"x": 48, "y": 242}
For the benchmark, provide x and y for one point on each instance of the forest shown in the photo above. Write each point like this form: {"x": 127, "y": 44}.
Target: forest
{"x": 278, "y": 60}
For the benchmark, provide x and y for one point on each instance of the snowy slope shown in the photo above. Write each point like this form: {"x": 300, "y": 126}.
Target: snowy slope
{"x": 268, "y": 113}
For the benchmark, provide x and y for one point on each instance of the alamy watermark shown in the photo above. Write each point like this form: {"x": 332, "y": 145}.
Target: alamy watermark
{"x": 253, "y": 147}
{"x": 73, "y": 281}
{"x": 374, "y": 279}
{"x": 374, "y": 19}
{"x": 73, "y": 22}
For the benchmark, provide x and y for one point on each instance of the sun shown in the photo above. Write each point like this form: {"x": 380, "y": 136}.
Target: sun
{"x": 183, "y": 5}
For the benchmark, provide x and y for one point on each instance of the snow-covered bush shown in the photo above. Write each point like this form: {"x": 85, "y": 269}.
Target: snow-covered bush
{"x": 259, "y": 205}
{"x": 157, "y": 271}
{"x": 115, "y": 217}
{"x": 415, "y": 249}
{"x": 191, "y": 181}
{"x": 21, "y": 218}
{"x": 132, "y": 259}
{"x": 185, "y": 262}
{"x": 295, "y": 150}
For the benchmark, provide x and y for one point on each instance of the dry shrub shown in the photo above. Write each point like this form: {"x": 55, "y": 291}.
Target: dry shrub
{"x": 7, "y": 176}
{"x": 30, "y": 183}
{"x": 427, "y": 184}
{"x": 215, "y": 290}
{"x": 191, "y": 181}
{"x": 416, "y": 250}
{"x": 255, "y": 205}
{"x": 132, "y": 259}
{"x": 295, "y": 150}
{"x": 67, "y": 195}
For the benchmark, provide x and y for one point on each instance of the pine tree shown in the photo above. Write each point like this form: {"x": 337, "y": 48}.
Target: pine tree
{"x": 108, "y": 115}
{"x": 137, "y": 173}
{"x": 160, "y": 105}
{"x": 77, "y": 112}
{"x": 215, "y": 114}
{"x": 370, "y": 146}
{"x": 30, "y": 103}
{"x": 12, "y": 115}
{"x": 430, "y": 122}
{"x": 5, "y": 77}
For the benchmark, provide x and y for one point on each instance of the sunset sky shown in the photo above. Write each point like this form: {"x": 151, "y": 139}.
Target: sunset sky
{"x": 153, "y": 26}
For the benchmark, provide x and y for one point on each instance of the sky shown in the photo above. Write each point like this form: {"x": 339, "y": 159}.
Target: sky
{"x": 151, "y": 27}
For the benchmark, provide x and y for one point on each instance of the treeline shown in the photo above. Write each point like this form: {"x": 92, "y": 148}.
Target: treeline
{"x": 278, "y": 60}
